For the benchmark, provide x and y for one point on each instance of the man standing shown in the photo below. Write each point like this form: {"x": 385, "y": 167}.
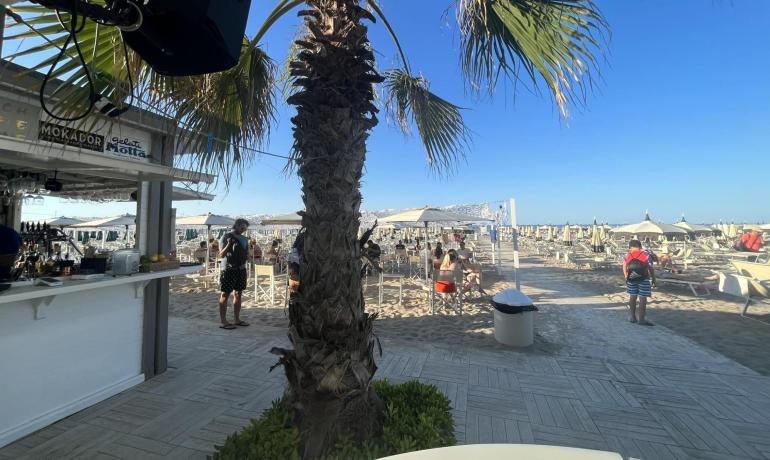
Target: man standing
{"x": 640, "y": 277}
{"x": 10, "y": 244}
{"x": 235, "y": 249}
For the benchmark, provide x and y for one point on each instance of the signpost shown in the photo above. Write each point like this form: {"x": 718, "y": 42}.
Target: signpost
{"x": 515, "y": 239}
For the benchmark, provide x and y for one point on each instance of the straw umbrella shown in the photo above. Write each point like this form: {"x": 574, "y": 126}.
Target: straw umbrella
{"x": 567, "y": 235}
{"x": 648, "y": 228}
{"x": 208, "y": 220}
{"x": 426, "y": 215}
{"x": 695, "y": 229}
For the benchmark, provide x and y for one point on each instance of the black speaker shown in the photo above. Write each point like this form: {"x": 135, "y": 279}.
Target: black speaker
{"x": 190, "y": 37}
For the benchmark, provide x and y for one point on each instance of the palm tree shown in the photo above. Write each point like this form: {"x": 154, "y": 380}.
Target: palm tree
{"x": 332, "y": 71}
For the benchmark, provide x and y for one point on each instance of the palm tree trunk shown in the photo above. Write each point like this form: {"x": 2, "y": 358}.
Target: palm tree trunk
{"x": 332, "y": 363}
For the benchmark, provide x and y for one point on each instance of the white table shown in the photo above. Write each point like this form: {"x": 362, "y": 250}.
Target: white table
{"x": 506, "y": 452}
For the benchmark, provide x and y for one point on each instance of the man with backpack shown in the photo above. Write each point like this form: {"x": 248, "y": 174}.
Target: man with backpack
{"x": 235, "y": 250}
{"x": 640, "y": 277}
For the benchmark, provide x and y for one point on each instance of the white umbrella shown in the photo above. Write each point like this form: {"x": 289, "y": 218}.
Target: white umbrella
{"x": 567, "y": 234}
{"x": 117, "y": 221}
{"x": 125, "y": 220}
{"x": 285, "y": 219}
{"x": 648, "y": 228}
{"x": 425, "y": 215}
{"x": 209, "y": 220}
{"x": 693, "y": 228}
{"x": 63, "y": 222}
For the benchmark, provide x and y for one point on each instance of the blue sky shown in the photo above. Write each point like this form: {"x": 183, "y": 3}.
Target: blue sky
{"x": 678, "y": 125}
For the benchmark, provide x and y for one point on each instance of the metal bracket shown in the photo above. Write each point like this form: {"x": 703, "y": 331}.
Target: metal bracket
{"x": 139, "y": 288}
{"x": 40, "y": 304}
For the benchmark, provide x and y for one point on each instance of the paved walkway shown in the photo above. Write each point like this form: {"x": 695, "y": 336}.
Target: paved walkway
{"x": 592, "y": 380}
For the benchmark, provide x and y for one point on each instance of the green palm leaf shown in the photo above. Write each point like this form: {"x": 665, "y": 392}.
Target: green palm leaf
{"x": 439, "y": 123}
{"x": 555, "y": 40}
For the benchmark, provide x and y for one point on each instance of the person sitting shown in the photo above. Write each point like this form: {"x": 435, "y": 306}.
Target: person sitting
{"x": 213, "y": 251}
{"x": 255, "y": 251}
{"x": 445, "y": 283}
{"x": 200, "y": 253}
{"x": 750, "y": 241}
{"x": 463, "y": 253}
{"x": 472, "y": 274}
{"x": 438, "y": 252}
{"x": 373, "y": 250}
{"x": 400, "y": 245}
{"x": 272, "y": 253}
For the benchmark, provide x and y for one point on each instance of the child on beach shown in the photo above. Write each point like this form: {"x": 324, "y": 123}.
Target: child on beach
{"x": 640, "y": 277}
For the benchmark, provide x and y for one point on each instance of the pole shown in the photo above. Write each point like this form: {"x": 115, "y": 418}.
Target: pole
{"x": 426, "y": 253}
{"x": 208, "y": 250}
{"x": 515, "y": 238}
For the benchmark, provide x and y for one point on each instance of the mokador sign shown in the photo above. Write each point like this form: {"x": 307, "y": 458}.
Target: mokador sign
{"x": 120, "y": 141}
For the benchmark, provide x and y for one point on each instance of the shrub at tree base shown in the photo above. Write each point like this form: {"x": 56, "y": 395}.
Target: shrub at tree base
{"x": 418, "y": 416}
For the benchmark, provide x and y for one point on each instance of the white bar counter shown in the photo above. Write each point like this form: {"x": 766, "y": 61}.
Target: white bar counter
{"x": 67, "y": 347}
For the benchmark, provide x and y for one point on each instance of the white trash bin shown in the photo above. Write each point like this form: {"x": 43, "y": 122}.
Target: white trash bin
{"x": 514, "y": 318}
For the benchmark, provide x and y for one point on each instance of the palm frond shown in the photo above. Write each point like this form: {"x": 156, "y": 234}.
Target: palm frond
{"x": 439, "y": 122}
{"x": 555, "y": 40}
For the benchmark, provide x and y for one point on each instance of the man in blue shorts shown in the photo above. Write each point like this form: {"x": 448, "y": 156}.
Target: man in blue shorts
{"x": 640, "y": 276}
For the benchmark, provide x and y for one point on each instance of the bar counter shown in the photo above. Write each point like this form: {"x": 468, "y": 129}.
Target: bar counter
{"x": 67, "y": 347}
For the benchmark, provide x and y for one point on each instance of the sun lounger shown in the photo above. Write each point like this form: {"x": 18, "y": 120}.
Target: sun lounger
{"x": 689, "y": 283}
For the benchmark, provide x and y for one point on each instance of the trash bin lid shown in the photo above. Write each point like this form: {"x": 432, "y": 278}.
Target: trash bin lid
{"x": 512, "y": 301}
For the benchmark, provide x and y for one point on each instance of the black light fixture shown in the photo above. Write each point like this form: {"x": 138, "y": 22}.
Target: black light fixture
{"x": 53, "y": 185}
{"x": 175, "y": 37}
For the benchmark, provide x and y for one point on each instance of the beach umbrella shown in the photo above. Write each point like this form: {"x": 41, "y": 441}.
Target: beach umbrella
{"x": 208, "y": 220}
{"x": 567, "y": 234}
{"x": 424, "y": 216}
{"x": 125, "y": 220}
{"x": 285, "y": 219}
{"x": 117, "y": 221}
{"x": 581, "y": 233}
{"x": 648, "y": 228}
{"x": 694, "y": 228}
{"x": 63, "y": 222}
{"x": 596, "y": 239}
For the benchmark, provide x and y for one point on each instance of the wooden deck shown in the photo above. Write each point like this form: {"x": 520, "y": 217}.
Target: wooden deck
{"x": 674, "y": 408}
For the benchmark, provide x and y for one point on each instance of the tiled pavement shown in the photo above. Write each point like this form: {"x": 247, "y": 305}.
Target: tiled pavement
{"x": 673, "y": 409}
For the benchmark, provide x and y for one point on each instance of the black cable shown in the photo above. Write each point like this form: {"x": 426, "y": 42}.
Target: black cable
{"x": 61, "y": 23}
{"x": 72, "y": 36}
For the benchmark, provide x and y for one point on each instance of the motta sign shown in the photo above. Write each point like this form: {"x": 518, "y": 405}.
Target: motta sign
{"x": 69, "y": 136}
{"x": 121, "y": 142}
{"x": 126, "y": 146}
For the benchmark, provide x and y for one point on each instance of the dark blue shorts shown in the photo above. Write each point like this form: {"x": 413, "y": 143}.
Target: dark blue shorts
{"x": 642, "y": 288}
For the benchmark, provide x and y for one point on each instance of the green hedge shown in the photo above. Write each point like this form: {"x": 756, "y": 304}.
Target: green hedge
{"x": 418, "y": 416}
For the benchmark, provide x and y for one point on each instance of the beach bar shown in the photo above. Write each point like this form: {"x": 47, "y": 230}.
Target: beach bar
{"x": 70, "y": 345}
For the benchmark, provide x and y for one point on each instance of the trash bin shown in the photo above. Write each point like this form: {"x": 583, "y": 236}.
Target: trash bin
{"x": 514, "y": 318}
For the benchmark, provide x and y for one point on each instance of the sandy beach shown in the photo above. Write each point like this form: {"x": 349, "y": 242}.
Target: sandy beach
{"x": 577, "y": 308}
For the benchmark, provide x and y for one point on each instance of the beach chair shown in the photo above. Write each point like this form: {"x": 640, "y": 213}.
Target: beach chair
{"x": 416, "y": 267}
{"x": 386, "y": 276}
{"x": 447, "y": 291}
{"x": 268, "y": 285}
